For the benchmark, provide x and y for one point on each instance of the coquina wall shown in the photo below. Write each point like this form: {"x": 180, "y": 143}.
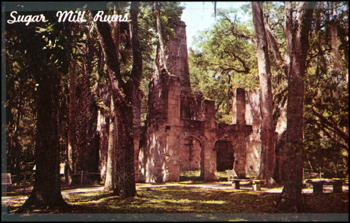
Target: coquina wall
{"x": 181, "y": 133}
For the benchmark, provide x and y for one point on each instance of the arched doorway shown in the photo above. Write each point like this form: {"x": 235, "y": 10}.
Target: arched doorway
{"x": 224, "y": 155}
{"x": 191, "y": 159}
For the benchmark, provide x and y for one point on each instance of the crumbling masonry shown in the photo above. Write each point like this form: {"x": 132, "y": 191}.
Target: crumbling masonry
{"x": 181, "y": 133}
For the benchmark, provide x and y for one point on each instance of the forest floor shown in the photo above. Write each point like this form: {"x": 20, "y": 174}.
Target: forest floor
{"x": 198, "y": 199}
{"x": 183, "y": 197}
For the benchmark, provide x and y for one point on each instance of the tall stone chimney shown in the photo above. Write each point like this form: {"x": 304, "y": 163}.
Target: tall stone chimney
{"x": 177, "y": 57}
{"x": 238, "y": 107}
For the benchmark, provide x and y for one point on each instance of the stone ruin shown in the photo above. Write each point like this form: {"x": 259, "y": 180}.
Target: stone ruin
{"x": 181, "y": 133}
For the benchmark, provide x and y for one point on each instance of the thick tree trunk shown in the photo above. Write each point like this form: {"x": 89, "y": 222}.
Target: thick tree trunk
{"x": 136, "y": 74}
{"x": 125, "y": 153}
{"x": 267, "y": 167}
{"x": 128, "y": 117}
{"x": 47, "y": 190}
{"x": 297, "y": 36}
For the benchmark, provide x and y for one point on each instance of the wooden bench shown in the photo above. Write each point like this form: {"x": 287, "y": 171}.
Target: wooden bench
{"x": 317, "y": 185}
{"x": 6, "y": 179}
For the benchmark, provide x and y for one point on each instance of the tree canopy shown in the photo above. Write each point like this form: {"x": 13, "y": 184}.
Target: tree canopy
{"x": 224, "y": 58}
{"x": 79, "y": 90}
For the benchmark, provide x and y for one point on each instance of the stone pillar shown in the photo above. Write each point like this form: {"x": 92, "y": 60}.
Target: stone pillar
{"x": 209, "y": 156}
{"x": 240, "y": 155}
{"x": 209, "y": 162}
{"x": 253, "y": 143}
{"x": 209, "y": 114}
{"x": 238, "y": 107}
{"x": 174, "y": 101}
{"x": 172, "y": 155}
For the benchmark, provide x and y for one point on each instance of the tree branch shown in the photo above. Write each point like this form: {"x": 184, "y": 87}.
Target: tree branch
{"x": 234, "y": 33}
{"x": 325, "y": 130}
{"x": 275, "y": 50}
{"x": 111, "y": 50}
{"x": 329, "y": 125}
{"x": 136, "y": 72}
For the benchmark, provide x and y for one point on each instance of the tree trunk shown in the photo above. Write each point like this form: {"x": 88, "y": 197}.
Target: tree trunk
{"x": 110, "y": 151}
{"x": 334, "y": 41}
{"x": 297, "y": 31}
{"x": 102, "y": 129}
{"x": 103, "y": 116}
{"x": 83, "y": 118}
{"x": 136, "y": 74}
{"x": 267, "y": 167}
{"x": 71, "y": 123}
{"x": 125, "y": 153}
{"x": 47, "y": 190}
{"x": 85, "y": 121}
{"x": 123, "y": 97}
{"x": 273, "y": 45}
{"x": 127, "y": 117}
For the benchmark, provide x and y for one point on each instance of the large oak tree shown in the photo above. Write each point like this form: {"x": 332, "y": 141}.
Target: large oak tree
{"x": 298, "y": 26}
{"x": 46, "y": 63}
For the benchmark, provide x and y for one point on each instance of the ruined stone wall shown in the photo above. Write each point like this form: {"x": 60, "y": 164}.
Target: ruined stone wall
{"x": 177, "y": 57}
{"x": 158, "y": 158}
{"x": 192, "y": 105}
{"x": 237, "y": 135}
{"x": 181, "y": 131}
{"x": 182, "y": 143}
{"x": 157, "y": 99}
{"x": 239, "y": 107}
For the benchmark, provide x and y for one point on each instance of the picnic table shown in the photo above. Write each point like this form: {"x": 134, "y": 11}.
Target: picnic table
{"x": 318, "y": 184}
{"x": 235, "y": 183}
{"x": 256, "y": 184}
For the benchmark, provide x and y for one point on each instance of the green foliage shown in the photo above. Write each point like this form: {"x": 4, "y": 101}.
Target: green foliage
{"x": 29, "y": 49}
{"x": 216, "y": 70}
{"x": 327, "y": 98}
{"x": 223, "y": 60}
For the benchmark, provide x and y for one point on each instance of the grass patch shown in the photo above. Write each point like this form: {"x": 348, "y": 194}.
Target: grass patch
{"x": 191, "y": 173}
{"x": 177, "y": 199}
